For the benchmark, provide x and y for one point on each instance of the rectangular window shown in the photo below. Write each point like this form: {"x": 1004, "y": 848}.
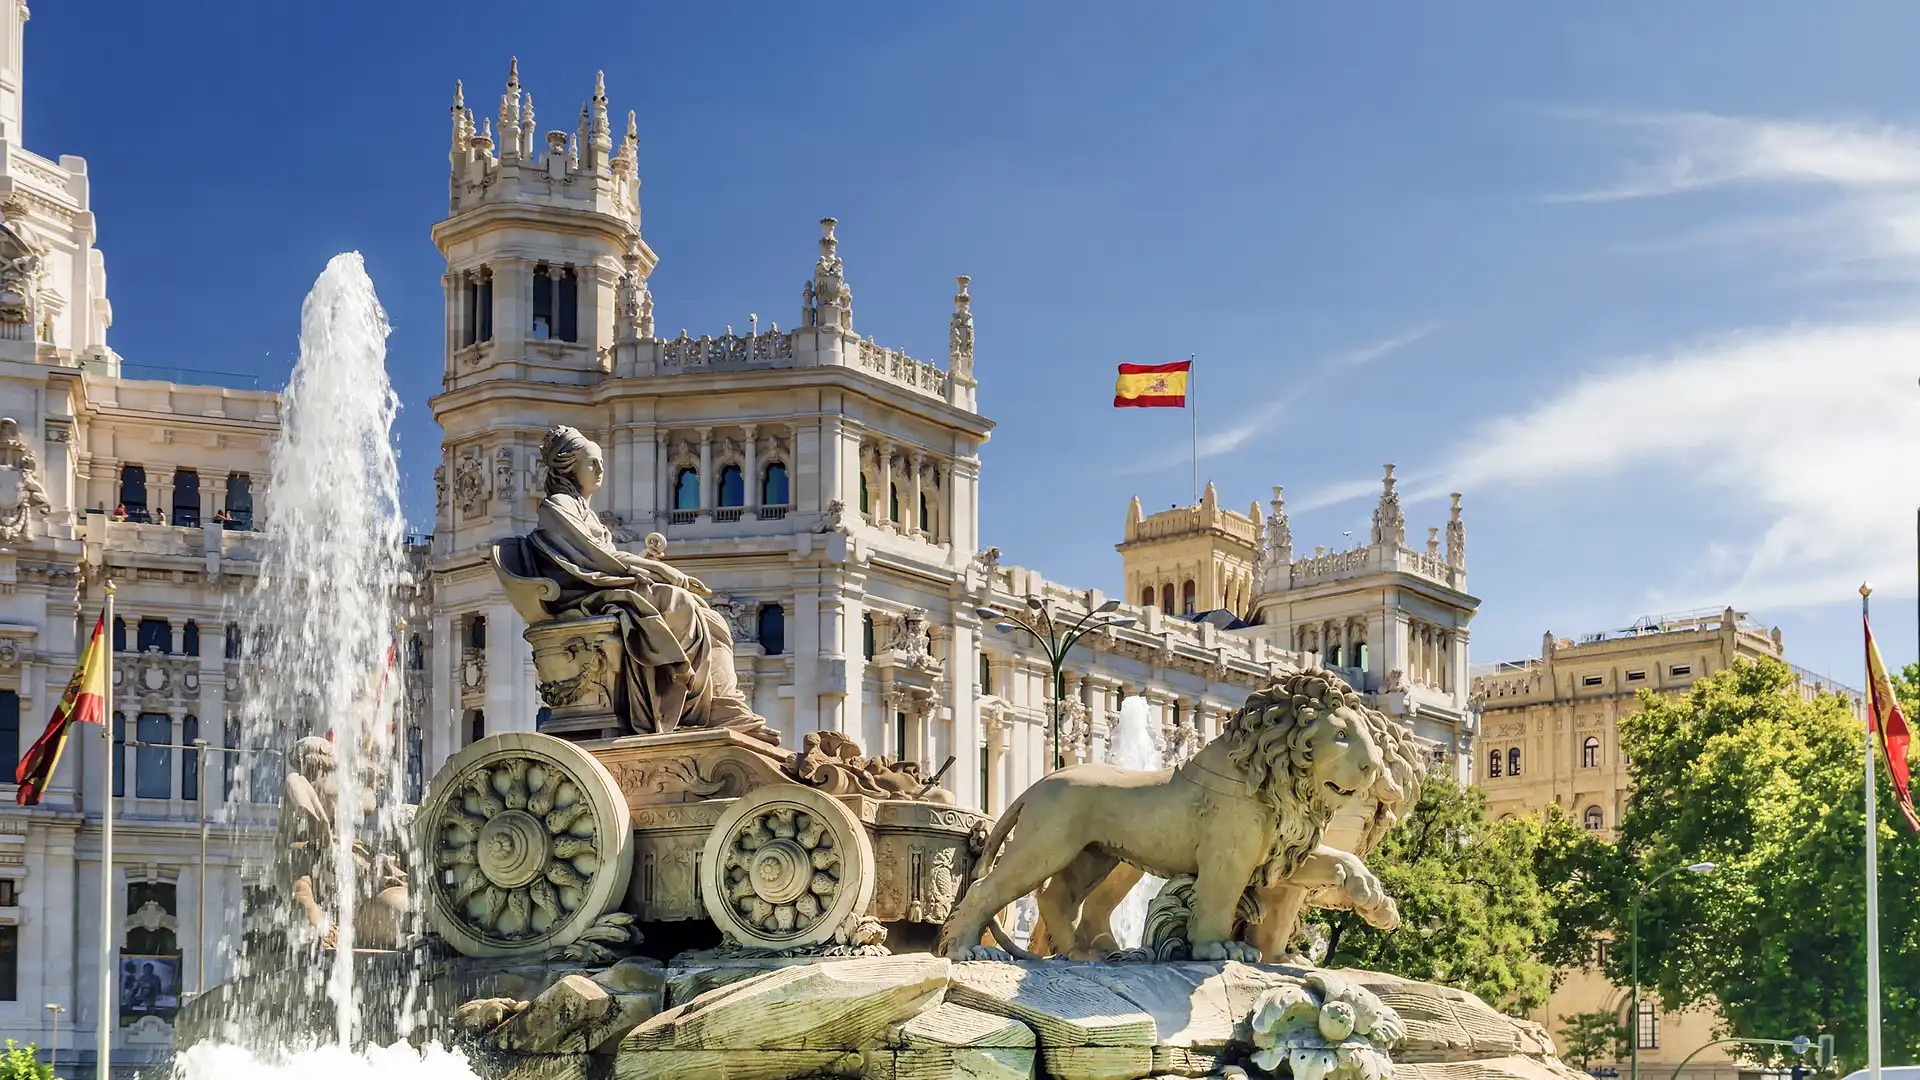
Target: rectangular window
{"x": 1638, "y": 676}
{"x": 9, "y": 893}
{"x": 900, "y": 737}
{"x": 189, "y": 759}
{"x": 986, "y": 675}
{"x": 1681, "y": 671}
{"x": 1592, "y": 680}
{"x": 1649, "y": 1027}
{"x": 230, "y": 740}
{"x": 155, "y": 634}
{"x": 186, "y": 497}
{"x": 542, "y": 303}
{"x": 153, "y": 762}
{"x": 566, "y": 314}
{"x": 986, "y": 777}
{"x": 9, "y": 963}
{"x": 120, "y": 754}
{"x": 10, "y": 730}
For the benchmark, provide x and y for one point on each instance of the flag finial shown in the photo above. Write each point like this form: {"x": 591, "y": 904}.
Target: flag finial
{"x": 1866, "y": 590}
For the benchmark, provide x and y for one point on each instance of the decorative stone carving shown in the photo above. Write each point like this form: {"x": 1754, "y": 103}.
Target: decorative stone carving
{"x": 306, "y": 849}
{"x": 960, "y": 332}
{"x": 675, "y": 660}
{"x": 20, "y": 267}
{"x": 439, "y": 487}
{"x": 1456, "y": 536}
{"x": 656, "y": 546}
{"x": 742, "y": 618}
{"x": 470, "y": 483}
{"x": 578, "y": 665}
{"x": 834, "y": 762}
{"x": 1396, "y": 682}
{"x": 787, "y": 867}
{"x": 1324, "y": 1029}
{"x": 910, "y": 637}
{"x": 9, "y": 652}
{"x": 618, "y": 528}
{"x": 503, "y": 474}
{"x": 1247, "y": 811}
{"x": 832, "y": 519}
{"x": 1389, "y": 523}
{"x": 20, "y": 492}
{"x": 829, "y": 299}
{"x": 987, "y": 561}
{"x": 529, "y": 845}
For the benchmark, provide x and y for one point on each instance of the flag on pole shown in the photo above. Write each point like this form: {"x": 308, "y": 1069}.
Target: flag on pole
{"x": 1152, "y": 386}
{"x": 85, "y": 702}
{"x": 1885, "y": 719}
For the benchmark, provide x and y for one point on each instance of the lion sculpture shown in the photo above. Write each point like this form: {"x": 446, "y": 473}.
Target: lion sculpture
{"x": 1248, "y": 811}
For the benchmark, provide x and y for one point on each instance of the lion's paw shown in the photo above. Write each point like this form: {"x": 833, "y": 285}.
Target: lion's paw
{"x": 1382, "y": 916}
{"x": 1226, "y": 950}
{"x": 980, "y": 952}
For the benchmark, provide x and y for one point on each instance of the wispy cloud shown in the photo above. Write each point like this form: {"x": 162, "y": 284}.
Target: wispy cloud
{"x": 1244, "y": 428}
{"x": 1804, "y": 433}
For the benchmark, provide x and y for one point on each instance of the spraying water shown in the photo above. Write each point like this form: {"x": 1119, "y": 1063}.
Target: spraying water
{"x": 321, "y": 630}
{"x": 1132, "y": 747}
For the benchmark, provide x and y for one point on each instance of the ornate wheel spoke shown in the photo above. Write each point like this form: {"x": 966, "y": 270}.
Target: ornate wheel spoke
{"x": 776, "y": 874}
{"x": 532, "y": 842}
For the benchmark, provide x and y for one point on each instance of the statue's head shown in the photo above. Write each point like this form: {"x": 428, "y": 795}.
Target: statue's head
{"x": 573, "y": 461}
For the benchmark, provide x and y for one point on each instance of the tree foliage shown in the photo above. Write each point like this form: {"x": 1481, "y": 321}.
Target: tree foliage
{"x": 1743, "y": 772}
{"x": 1589, "y": 1036}
{"x": 1473, "y": 913}
{"x": 22, "y": 1063}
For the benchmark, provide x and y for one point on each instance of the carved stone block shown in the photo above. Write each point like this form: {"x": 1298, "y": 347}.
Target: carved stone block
{"x": 577, "y": 663}
{"x": 846, "y": 1005}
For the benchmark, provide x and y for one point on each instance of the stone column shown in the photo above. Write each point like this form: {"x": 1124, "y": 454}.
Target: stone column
{"x": 213, "y": 706}
{"x": 663, "y": 473}
{"x": 912, "y": 509}
{"x": 884, "y": 511}
{"x": 160, "y": 494}
{"x": 706, "y": 474}
{"x": 751, "y": 480}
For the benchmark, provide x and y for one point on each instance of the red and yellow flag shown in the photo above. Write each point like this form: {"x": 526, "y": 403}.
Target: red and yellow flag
{"x": 1152, "y": 386}
{"x": 1884, "y": 717}
{"x": 84, "y": 702}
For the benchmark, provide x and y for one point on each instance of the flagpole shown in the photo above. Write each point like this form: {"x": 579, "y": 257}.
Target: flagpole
{"x": 106, "y": 1020}
{"x": 1873, "y": 882}
{"x": 1193, "y": 417}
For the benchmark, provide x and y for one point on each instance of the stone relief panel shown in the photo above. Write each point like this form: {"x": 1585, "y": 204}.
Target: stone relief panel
{"x": 21, "y": 495}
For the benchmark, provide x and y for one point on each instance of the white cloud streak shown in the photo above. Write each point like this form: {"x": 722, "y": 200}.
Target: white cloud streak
{"x": 1806, "y": 433}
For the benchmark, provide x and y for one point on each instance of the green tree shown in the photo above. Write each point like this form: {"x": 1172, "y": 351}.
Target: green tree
{"x": 1743, "y": 772}
{"x": 1587, "y": 1037}
{"x": 1473, "y": 915}
{"x": 22, "y": 1063}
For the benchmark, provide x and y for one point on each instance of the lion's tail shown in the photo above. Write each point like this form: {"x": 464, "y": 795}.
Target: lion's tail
{"x": 989, "y": 851}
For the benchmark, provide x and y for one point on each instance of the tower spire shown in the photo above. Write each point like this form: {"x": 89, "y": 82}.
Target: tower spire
{"x": 510, "y": 112}
{"x": 1456, "y": 537}
{"x": 528, "y": 145}
{"x": 462, "y": 121}
{"x": 960, "y": 332}
{"x": 602, "y": 130}
{"x": 1389, "y": 523}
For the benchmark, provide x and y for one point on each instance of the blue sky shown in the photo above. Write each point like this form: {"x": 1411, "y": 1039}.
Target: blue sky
{"x": 1638, "y": 280}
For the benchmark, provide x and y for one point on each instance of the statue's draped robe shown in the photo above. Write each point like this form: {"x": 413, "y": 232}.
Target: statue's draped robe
{"x": 678, "y": 669}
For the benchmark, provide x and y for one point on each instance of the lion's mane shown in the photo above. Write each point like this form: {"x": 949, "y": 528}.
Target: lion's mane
{"x": 1267, "y": 740}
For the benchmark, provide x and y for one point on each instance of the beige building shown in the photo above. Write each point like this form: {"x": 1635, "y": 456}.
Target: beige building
{"x": 83, "y": 434}
{"x": 1550, "y": 737}
{"x": 1189, "y": 560}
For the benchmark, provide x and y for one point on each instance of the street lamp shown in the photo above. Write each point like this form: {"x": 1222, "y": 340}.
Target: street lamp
{"x": 1056, "y": 641}
{"x": 53, "y": 1051}
{"x": 1633, "y": 1023}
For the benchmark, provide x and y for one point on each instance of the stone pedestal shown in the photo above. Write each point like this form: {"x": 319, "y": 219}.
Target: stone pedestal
{"x": 577, "y": 663}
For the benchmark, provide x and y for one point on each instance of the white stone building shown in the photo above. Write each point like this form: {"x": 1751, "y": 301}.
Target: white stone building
{"x": 828, "y": 489}
{"x": 81, "y": 436}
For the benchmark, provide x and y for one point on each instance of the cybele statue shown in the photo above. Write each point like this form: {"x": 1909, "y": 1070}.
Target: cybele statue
{"x": 621, "y": 641}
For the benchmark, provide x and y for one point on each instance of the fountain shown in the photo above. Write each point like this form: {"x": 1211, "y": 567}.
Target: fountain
{"x": 1133, "y": 747}
{"x": 665, "y": 892}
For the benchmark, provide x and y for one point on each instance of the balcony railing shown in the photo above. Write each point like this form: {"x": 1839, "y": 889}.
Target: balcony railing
{"x": 728, "y": 513}
{"x": 774, "y": 513}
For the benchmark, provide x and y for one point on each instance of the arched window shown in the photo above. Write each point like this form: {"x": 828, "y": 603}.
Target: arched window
{"x": 133, "y": 491}
{"x": 190, "y": 639}
{"x": 773, "y": 486}
{"x": 986, "y": 677}
{"x": 477, "y": 632}
{"x": 1333, "y": 656}
{"x": 1493, "y": 763}
{"x": 926, "y": 520}
{"x": 1166, "y": 598}
{"x": 1146, "y": 596}
{"x": 1596, "y": 818}
{"x": 864, "y": 507}
{"x": 893, "y": 504}
{"x": 1648, "y": 1029}
{"x": 156, "y": 634}
{"x": 1360, "y": 656}
{"x": 686, "y": 489}
{"x": 1513, "y": 762}
{"x": 773, "y": 629}
{"x": 1590, "y": 753}
{"x": 866, "y": 635}
{"x": 733, "y": 487}
{"x": 1187, "y": 597}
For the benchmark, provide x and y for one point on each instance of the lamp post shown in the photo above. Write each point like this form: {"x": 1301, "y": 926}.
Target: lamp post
{"x": 53, "y": 1050}
{"x": 1056, "y": 640}
{"x": 1633, "y": 1023}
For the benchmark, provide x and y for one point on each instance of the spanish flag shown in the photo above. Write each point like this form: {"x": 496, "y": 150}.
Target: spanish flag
{"x": 1884, "y": 717}
{"x": 84, "y": 702}
{"x": 1152, "y": 386}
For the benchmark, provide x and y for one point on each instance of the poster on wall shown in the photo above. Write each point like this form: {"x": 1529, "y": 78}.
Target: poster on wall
{"x": 149, "y": 986}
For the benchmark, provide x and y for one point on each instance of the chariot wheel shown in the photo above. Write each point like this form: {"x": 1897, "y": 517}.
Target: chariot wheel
{"x": 527, "y": 841}
{"x": 786, "y": 867}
